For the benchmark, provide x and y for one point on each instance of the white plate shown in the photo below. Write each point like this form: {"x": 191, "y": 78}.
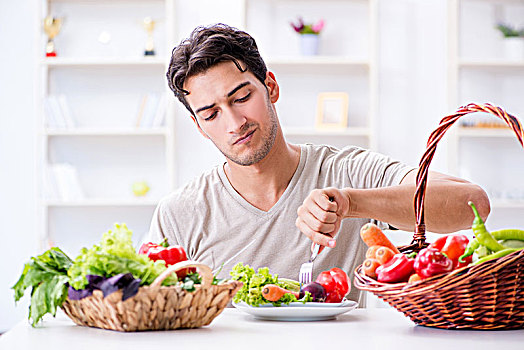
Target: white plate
{"x": 298, "y": 311}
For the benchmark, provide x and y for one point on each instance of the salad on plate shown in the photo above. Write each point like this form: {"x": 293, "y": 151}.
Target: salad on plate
{"x": 268, "y": 297}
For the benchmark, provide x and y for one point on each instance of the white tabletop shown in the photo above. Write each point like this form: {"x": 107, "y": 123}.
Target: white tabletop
{"x": 359, "y": 329}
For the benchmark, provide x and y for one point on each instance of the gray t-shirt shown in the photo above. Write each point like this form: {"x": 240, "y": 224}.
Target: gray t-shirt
{"x": 213, "y": 222}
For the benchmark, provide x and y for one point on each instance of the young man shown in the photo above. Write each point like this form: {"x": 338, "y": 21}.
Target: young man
{"x": 261, "y": 206}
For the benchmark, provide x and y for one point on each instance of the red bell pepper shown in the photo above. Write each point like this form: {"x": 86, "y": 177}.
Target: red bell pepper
{"x": 398, "y": 269}
{"x": 170, "y": 254}
{"x": 335, "y": 283}
{"x": 453, "y": 246}
{"x": 430, "y": 262}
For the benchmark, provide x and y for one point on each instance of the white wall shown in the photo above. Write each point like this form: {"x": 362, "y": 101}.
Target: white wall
{"x": 17, "y": 151}
{"x": 412, "y": 72}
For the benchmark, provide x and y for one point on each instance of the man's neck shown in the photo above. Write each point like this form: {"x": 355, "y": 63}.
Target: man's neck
{"x": 262, "y": 184}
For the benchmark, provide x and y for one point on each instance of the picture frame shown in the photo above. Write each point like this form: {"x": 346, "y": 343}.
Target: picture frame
{"x": 332, "y": 110}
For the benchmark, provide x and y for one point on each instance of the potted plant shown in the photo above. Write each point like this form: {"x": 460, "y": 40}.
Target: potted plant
{"x": 513, "y": 41}
{"x": 309, "y": 35}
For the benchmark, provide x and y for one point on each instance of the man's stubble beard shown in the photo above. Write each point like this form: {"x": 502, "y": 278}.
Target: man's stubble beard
{"x": 268, "y": 142}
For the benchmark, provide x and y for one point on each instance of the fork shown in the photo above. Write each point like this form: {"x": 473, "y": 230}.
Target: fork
{"x": 306, "y": 269}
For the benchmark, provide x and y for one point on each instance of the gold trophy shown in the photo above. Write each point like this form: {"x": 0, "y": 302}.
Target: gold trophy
{"x": 149, "y": 25}
{"x": 52, "y": 27}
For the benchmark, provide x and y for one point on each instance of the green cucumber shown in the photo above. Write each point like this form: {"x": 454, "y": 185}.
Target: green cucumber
{"x": 512, "y": 243}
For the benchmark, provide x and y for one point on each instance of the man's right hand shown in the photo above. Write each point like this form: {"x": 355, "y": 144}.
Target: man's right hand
{"x": 321, "y": 214}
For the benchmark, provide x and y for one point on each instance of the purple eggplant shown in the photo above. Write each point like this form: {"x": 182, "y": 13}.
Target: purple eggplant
{"x": 318, "y": 293}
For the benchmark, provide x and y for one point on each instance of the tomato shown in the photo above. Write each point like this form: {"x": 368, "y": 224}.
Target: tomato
{"x": 335, "y": 282}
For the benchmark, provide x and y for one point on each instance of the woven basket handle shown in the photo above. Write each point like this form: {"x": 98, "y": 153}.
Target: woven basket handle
{"x": 422, "y": 176}
{"x": 204, "y": 270}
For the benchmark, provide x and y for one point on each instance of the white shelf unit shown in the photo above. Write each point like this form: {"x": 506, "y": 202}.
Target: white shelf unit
{"x": 480, "y": 71}
{"x": 347, "y": 62}
{"x": 94, "y": 202}
{"x": 107, "y": 132}
{"x": 317, "y": 61}
{"x": 102, "y": 61}
{"x": 104, "y": 86}
{"x": 363, "y": 132}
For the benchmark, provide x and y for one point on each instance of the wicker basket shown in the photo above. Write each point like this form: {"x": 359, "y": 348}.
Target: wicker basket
{"x": 484, "y": 296}
{"x": 155, "y": 307}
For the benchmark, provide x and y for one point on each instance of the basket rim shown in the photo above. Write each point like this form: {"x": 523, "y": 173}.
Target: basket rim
{"x": 364, "y": 282}
{"x": 226, "y": 283}
{"x": 204, "y": 270}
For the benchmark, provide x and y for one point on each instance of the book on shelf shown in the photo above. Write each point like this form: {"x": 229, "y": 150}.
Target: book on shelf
{"x": 53, "y": 118}
{"x": 66, "y": 111}
{"x": 50, "y": 190}
{"x": 151, "y": 111}
{"x": 479, "y": 120}
{"x": 57, "y": 112}
{"x": 160, "y": 115}
{"x": 141, "y": 108}
{"x": 61, "y": 181}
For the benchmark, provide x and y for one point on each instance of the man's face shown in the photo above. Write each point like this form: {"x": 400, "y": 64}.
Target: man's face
{"x": 233, "y": 109}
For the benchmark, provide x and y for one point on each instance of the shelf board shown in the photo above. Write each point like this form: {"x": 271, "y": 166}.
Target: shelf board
{"x": 291, "y": 131}
{"x": 465, "y": 131}
{"x": 490, "y": 64}
{"x": 507, "y": 203}
{"x": 317, "y": 60}
{"x": 102, "y": 61}
{"x": 106, "y": 132}
{"x": 101, "y": 202}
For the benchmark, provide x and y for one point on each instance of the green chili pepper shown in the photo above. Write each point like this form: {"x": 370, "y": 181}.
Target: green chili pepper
{"x": 470, "y": 249}
{"x": 496, "y": 255}
{"x": 508, "y": 233}
{"x": 505, "y": 234}
{"x": 482, "y": 234}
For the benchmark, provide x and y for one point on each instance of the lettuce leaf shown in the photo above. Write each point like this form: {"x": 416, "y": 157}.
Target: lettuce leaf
{"x": 251, "y": 291}
{"x": 115, "y": 255}
{"x": 46, "y": 274}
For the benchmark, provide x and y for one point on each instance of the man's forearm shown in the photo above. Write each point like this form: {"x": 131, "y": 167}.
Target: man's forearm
{"x": 446, "y": 205}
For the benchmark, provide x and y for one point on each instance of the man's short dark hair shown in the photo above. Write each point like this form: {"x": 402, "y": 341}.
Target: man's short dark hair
{"x": 208, "y": 46}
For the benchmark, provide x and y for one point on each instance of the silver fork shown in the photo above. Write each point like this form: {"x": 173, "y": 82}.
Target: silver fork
{"x": 306, "y": 269}
{"x": 305, "y": 274}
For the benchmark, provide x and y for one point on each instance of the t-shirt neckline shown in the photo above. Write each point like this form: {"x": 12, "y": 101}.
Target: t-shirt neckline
{"x": 290, "y": 187}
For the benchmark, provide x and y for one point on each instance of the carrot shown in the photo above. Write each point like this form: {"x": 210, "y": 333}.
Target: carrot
{"x": 369, "y": 266}
{"x": 272, "y": 292}
{"x": 414, "y": 278}
{"x": 372, "y": 251}
{"x": 372, "y": 235}
{"x": 383, "y": 255}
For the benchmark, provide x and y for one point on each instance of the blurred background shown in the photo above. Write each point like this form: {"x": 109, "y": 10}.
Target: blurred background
{"x": 90, "y": 134}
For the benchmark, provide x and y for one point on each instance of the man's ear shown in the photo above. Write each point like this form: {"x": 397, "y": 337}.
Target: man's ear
{"x": 198, "y": 127}
{"x": 272, "y": 87}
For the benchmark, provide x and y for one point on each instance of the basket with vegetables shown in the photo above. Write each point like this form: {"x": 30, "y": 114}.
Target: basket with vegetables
{"x": 111, "y": 286}
{"x": 438, "y": 284}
